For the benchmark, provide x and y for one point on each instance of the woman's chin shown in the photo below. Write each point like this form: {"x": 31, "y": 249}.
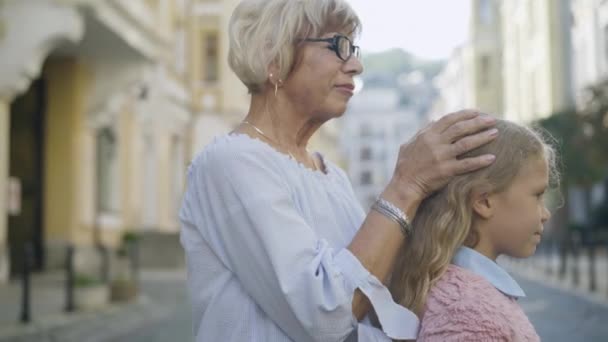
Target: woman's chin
{"x": 334, "y": 112}
{"x": 338, "y": 110}
{"x": 339, "y": 113}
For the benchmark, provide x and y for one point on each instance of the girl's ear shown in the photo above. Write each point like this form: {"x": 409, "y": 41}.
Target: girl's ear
{"x": 483, "y": 205}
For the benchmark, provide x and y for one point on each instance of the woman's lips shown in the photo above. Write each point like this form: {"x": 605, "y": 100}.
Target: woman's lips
{"x": 346, "y": 88}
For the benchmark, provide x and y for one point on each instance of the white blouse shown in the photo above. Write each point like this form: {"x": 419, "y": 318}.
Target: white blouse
{"x": 265, "y": 241}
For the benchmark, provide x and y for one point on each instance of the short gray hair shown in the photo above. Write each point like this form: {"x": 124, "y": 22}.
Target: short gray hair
{"x": 265, "y": 31}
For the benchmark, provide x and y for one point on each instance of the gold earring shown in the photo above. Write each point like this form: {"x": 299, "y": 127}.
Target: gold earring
{"x": 276, "y": 87}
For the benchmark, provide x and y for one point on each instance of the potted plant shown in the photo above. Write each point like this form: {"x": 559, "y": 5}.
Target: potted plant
{"x": 89, "y": 292}
{"x": 124, "y": 284}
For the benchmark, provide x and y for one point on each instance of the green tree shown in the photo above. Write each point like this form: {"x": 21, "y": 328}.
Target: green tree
{"x": 595, "y": 115}
{"x": 582, "y": 142}
{"x": 565, "y": 127}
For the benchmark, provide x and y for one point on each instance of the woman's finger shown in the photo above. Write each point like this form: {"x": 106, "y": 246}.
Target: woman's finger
{"x": 465, "y": 165}
{"x": 472, "y": 142}
{"x": 467, "y": 127}
{"x": 450, "y": 119}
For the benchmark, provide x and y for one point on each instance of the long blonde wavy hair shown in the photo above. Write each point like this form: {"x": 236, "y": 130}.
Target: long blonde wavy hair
{"x": 443, "y": 221}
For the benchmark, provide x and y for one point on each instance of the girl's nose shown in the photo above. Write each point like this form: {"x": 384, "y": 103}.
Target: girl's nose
{"x": 546, "y": 214}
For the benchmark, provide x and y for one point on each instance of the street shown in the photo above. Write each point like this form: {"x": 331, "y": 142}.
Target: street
{"x": 557, "y": 315}
{"x": 176, "y": 328}
{"x": 170, "y": 291}
{"x": 560, "y": 316}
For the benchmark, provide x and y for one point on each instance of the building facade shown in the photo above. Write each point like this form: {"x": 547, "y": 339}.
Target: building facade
{"x": 454, "y": 85}
{"x": 94, "y": 114}
{"x": 373, "y": 130}
{"x": 589, "y": 44}
{"x": 516, "y": 63}
{"x": 536, "y": 48}
{"x": 484, "y": 61}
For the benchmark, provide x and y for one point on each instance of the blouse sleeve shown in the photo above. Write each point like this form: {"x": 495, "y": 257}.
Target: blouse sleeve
{"x": 243, "y": 208}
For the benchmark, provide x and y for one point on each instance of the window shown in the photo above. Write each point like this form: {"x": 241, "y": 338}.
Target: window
{"x": 107, "y": 171}
{"x": 178, "y": 170}
{"x": 366, "y": 178}
{"x": 149, "y": 182}
{"x": 484, "y": 66}
{"x": 211, "y": 57}
{"x": 485, "y": 12}
{"x": 180, "y": 51}
{"x": 366, "y": 153}
{"x": 366, "y": 131}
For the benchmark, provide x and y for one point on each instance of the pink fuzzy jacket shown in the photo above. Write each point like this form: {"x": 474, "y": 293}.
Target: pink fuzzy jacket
{"x": 463, "y": 306}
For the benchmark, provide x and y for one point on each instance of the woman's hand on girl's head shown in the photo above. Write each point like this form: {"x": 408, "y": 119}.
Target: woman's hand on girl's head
{"x": 430, "y": 159}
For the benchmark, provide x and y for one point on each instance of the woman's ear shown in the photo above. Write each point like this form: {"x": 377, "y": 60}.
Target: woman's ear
{"x": 273, "y": 73}
{"x": 482, "y": 203}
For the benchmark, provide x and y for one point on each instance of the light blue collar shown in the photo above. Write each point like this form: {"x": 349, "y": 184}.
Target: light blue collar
{"x": 483, "y": 266}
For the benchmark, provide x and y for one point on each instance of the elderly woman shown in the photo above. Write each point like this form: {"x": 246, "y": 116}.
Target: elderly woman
{"x": 277, "y": 246}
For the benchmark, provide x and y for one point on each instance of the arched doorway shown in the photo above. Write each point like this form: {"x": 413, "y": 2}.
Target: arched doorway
{"x": 26, "y": 166}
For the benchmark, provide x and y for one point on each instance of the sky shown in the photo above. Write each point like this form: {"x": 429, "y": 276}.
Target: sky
{"x": 427, "y": 28}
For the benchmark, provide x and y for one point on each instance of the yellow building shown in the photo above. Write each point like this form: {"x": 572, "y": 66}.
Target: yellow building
{"x": 485, "y": 56}
{"x": 536, "y": 62}
{"x": 472, "y": 76}
{"x": 220, "y": 98}
{"x": 95, "y": 106}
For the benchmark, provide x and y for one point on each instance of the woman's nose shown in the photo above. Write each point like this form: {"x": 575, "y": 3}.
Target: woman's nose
{"x": 353, "y": 66}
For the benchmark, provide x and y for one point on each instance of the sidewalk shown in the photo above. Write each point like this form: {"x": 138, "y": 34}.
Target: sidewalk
{"x": 543, "y": 268}
{"x": 51, "y": 323}
{"x": 48, "y": 298}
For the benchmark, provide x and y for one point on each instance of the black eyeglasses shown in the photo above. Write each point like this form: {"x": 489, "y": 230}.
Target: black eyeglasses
{"x": 341, "y": 45}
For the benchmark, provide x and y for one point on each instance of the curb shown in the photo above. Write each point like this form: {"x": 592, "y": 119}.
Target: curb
{"x": 554, "y": 283}
{"x": 100, "y": 325}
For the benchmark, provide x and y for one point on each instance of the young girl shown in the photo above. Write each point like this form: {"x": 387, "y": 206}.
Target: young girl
{"x": 447, "y": 271}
